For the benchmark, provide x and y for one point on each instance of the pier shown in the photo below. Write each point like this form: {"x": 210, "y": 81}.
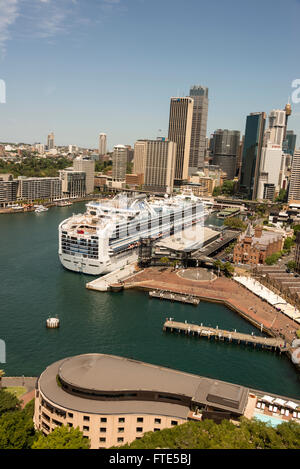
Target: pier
{"x": 168, "y": 295}
{"x": 273, "y": 344}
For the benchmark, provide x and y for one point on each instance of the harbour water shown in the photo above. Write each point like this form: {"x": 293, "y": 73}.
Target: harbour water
{"x": 34, "y": 286}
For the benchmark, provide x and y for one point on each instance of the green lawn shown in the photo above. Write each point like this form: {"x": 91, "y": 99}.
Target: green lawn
{"x": 18, "y": 391}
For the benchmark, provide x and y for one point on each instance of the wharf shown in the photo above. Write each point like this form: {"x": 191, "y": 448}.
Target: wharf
{"x": 268, "y": 343}
{"x": 113, "y": 279}
{"x": 168, "y": 295}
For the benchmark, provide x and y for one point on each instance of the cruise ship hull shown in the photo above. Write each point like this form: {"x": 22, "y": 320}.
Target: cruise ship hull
{"x": 89, "y": 267}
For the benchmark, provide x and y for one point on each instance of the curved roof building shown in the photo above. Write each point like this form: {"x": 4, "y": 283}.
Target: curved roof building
{"x": 115, "y": 400}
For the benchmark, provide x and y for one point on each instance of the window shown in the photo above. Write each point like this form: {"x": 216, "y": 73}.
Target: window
{"x": 157, "y": 420}
{"x": 102, "y": 440}
{"x": 102, "y": 430}
{"x": 121, "y": 419}
{"x": 103, "y": 419}
{"x": 156, "y": 430}
{"x": 85, "y": 428}
{"x": 70, "y": 424}
{"x": 120, "y": 440}
{"x": 86, "y": 418}
{"x": 121, "y": 430}
{"x": 174, "y": 422}
{"x": 70, "y": 415}
{"x": 139, "y": 429}
{"x": 140, "y": 419}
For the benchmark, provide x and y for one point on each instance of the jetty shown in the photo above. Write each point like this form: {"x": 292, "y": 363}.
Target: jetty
{"x": 274, "y": 344}
{"x": 113, "y": 281}
{"x": 168, "y": 295}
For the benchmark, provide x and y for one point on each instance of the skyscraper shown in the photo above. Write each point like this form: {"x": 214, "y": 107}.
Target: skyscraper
{"x": 119, "y": 163}
{"x": 294, "y": 189}
{"x": 225, "y": 150}
{"x": 253, "y": 141}
{"x": 139, "y": 158}
{"x": 50, "y": 141}
{"x": 199, "y": 94}
{"x": 271, "y": 164}
{"x": 180, "y": 126}
{"x": 102, "y": 144}
{"x": 160, "y": 158}
{"x": 289, "y": 143}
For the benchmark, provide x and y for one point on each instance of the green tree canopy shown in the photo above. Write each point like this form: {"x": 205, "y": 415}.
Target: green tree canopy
{"x": 291, "y": 265}
{"x": 235, "y": 222}
{"x": 288, "y": 243}
{"x": 250, "y": 434}
{"x": 16, "y": 430}
{"x": 8, "y": 402}
{"x": 62, "y": 438}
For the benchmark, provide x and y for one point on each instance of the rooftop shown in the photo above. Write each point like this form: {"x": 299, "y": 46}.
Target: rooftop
{"x": 99, "y": 372}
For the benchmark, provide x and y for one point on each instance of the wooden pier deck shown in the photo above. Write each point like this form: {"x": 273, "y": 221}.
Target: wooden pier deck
{"x": 167, "y": 295}
{"x": 268, "y": 343}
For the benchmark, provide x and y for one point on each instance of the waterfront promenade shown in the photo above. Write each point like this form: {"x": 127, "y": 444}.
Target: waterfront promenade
{"x": 222, "y": 290}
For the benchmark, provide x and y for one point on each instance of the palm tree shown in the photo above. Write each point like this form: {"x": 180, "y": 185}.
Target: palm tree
{"x": 2, "y": 373}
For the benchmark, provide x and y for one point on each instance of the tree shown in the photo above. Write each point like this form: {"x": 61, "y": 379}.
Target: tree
{"x": 291, "y": 265}
{"x": 62, "y": 438}
{"x": 296, "y": 228}
{"x": 8, "y": 402}
{"x": 273, "y": 258}
{"x": 228, "y": 187}
{"x": 228, "y": 269}
{"x": 249, "y": 434}
{"x": 2, "y": 373}
{"x": 288, "y": 243}
{"x": 235, "y": 222}
{"x": 16, "y": 430}
{"x": 282, "y": 196}
{"x": 165, "y": 260}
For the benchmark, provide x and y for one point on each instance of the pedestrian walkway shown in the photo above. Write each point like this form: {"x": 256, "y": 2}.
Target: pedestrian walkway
{"x": 275, "y": 300}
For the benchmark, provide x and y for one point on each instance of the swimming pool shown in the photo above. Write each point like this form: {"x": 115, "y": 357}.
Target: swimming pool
{"x": 273, "y": 421}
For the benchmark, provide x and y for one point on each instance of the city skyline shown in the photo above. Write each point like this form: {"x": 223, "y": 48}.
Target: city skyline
{"x": 84, "y": 96}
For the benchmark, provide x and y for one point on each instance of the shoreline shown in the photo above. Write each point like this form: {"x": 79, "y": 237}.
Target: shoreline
{"x": 235, "y": 304}
{"x": 10, "y": 211}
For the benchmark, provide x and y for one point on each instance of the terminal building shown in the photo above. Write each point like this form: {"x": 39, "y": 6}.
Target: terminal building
{"x": 115, "y": 400}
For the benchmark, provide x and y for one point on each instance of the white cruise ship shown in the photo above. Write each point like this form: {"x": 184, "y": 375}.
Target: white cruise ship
{"x": 107, "y": 236}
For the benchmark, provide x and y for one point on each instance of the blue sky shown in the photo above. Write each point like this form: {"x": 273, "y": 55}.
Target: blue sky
{"x": 81, "y": 67}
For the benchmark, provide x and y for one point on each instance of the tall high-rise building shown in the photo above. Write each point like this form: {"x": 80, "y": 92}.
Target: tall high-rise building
{"x": 180, "y": 127}
{"x": 294, "y": 189}
{"x": 139, "y": 158}
{"x": 289, "y": 143}
{"x": 271, "y": 162}
{"x": 225, "y": 149}
{"x": 50, "y": 141}
{"x": 102, "y": 144}
{"x": 160, "y": 158}
{"x": 119, "y": 163}
{"x": 86, "y": 165}
{"x": 253, "y": 141}
{"x": 199, "y": 94}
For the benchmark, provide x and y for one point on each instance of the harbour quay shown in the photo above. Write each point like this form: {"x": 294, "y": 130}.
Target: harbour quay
{"x": 218, "y": 290}
{"x": 166, "y": 295}
{"x": 274, "y": 344}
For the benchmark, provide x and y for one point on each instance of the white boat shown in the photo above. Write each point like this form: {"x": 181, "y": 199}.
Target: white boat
{"x": 63, "y": 203}
{"x": 107, "y": 236}
{"x": 40, "y": 208}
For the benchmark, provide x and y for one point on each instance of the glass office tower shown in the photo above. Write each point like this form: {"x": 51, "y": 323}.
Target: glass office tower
{"x": 254, "y": 133}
